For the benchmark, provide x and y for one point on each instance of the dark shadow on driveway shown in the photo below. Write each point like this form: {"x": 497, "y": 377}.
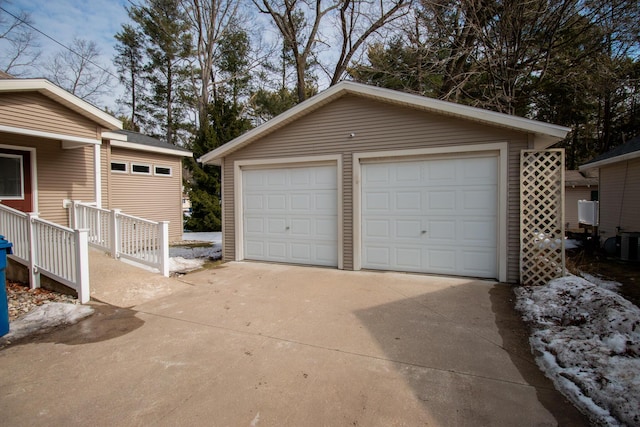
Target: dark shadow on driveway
{"x": 107, "y": 322}
{"x": 445, "y": 345}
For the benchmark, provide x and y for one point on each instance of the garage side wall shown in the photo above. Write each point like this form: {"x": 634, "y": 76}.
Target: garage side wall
{"x": 150, "y": 196}
{"x": 375, "y": 126}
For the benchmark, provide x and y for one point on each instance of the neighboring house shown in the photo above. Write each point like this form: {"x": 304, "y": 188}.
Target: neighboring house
{"x": 362, "y": 177}
{"x": 619, "y": 189}
{"x": 56, "y": 147}
{"x": 577, "y": 186}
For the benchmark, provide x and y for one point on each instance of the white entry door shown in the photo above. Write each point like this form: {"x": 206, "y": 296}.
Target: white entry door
{"x": 290, "y": 215}
{"x": 432, "y": 216}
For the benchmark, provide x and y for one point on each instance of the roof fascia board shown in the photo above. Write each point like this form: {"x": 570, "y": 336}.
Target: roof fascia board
{"x": 74, "y": 140}
{"x": 149, "y": 148}
{"x": 113, "y": 135}
{"x": 47, "y": 88}
{"x": 609, "y": 161}
{"x": 546, "y": 133}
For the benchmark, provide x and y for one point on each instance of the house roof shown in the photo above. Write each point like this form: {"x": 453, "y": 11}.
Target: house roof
{"x": 627, "y": 151}
{"x": 141, "y": 142}
{"x": 573, "y": 178}
{"x": 50, "y": 90}
{"x": 545, "y": 134}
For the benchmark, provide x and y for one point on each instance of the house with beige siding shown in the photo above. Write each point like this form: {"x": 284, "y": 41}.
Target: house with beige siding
{"x": 360, "y": 177}
{"x": 619, "y": 190}
{"x": 55, "y": 147}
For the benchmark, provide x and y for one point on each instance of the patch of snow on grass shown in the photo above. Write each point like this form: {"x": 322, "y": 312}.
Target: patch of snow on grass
{"x": 607, "y": 284}
{"x": 572, "y": 244}
{"x": 47, "y": 316}
{"x": 587, "y": 340}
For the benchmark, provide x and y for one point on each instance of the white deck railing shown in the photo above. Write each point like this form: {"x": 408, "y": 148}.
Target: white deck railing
{"x": 124, "y": 236}
{"x": 48, "y": 248}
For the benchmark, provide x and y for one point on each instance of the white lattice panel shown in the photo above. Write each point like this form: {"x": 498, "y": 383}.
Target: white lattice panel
{"x": 541, "y": 216}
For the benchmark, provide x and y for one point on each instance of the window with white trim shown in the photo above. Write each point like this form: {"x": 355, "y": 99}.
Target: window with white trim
{"x": 140, "y": 169}
{"x": 119, "y": 167}
{"x": 11, "y": 177}
{"x": 162, "y": 170}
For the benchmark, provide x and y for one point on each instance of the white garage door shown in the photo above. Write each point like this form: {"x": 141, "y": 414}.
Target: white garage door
{"x": 290, "y": 215}
{"x": 433, "y": 216}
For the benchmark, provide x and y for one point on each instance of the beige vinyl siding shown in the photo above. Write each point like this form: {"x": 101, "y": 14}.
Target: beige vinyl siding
{"x": 619, "y": 198}
{"x": 62, "y": 174}
{"x": 158, "y": 198}
{"x": 571, "y": 197}
{"x": 377, "y": 127}
{"x": 30, "y": 110}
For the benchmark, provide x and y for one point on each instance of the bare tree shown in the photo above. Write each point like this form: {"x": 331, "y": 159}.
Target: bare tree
{"x": 18, "y": 42}
{"x": 210, "y": 21}
{"x": 300, "y": 23}
{"x": 79, "y": 71}
{"x": 359, "y": 20}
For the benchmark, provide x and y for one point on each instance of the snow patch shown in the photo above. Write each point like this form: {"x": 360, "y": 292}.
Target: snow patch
{"x": 587, "y": 340}
{"x": 184, "y": 265}
{"x": 47, "y": 316}
{"x": 607, "y": 284}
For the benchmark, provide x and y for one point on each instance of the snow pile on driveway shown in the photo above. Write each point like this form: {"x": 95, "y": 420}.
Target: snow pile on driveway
{"x": 45, "y": 317}
{"x": 587, "y": 340}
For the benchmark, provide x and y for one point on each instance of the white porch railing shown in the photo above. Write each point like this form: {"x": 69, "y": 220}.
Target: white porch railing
{"x": 124, "y": 236}
{"x": 48, "y": 248}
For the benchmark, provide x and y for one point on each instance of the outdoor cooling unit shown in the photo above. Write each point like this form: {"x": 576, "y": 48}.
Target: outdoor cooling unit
{"x": 630, "y": 246}
{"x": 588, "y": 212}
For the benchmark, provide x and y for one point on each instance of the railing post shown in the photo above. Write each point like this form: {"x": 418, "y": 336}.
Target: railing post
{"x": 82, "y": 264}
{"x": 115, "y": 233}
{"x": 34, "y": 275}
{"x": 164, "y": 247}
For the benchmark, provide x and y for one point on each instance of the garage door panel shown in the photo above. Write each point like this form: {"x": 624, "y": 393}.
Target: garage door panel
{"x": 276, "y": 225}
{"x": 409, "y": 258}
{"x": 409, "y": 201}
{"x": 479, "y": 232}
{"x": 254, "y": 248}
{"x": 277, "y": 250}
{"x": 378, "y": 201}
{"x": 301, "y": 202}
{"x": 325, "y": 202}
{"x": 377, "y": 228}
{"x": 301, "y": 227}
{"x": 453, "y": 200}
{"x": 255, "y": 225}
{"x": 440, "y": 201}
{"x": 377, "y": 256}
{"x": 441, "y": 261}
{"x": 442, "y": 231}
{"x": 290, "y": 215}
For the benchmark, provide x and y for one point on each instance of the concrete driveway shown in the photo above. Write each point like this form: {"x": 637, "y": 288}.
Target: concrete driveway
{"x": 251, "y": 344}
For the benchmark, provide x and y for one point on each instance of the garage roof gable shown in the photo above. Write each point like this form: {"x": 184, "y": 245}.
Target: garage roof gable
{"x": 545, "y": 134}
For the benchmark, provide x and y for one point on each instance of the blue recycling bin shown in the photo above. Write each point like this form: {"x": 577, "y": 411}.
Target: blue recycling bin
{"x": 5, "y": 249}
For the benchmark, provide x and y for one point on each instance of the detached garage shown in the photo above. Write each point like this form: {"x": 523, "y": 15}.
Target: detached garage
{"x": 360, "y": 177}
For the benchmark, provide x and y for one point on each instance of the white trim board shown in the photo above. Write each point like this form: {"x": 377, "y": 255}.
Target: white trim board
{"x": 288, "y": 162}
{"x": 499, "y": 148}
{"x": 70, "y": 140}
{"x": 63, "y": 97}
